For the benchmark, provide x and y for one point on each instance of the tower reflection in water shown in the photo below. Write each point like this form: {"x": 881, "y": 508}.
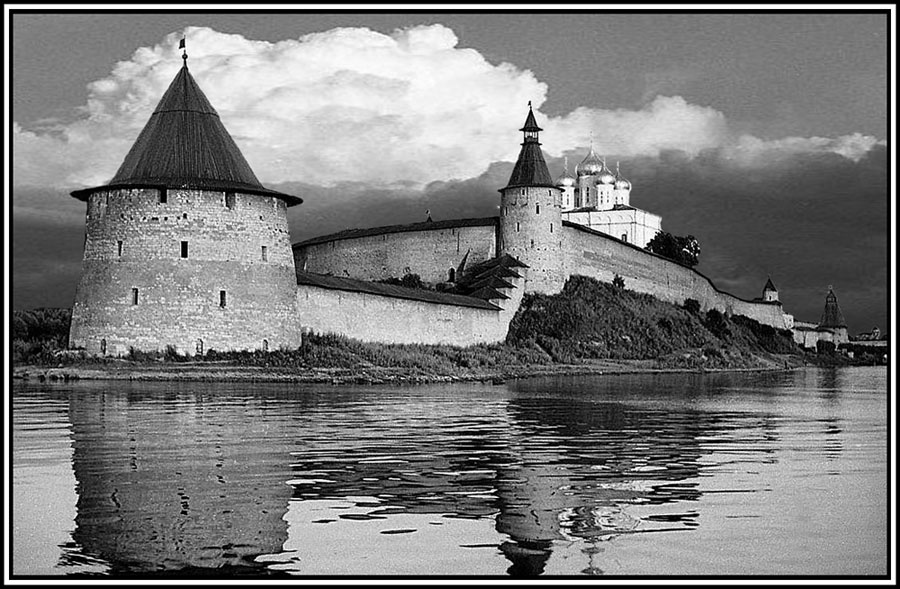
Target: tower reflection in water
{"x": 201, "y": 480}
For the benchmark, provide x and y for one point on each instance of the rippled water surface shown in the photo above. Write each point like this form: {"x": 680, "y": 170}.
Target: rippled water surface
{"x": 725, "y": 474}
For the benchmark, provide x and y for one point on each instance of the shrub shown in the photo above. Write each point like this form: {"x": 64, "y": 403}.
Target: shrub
{"x": 692, "y": 306}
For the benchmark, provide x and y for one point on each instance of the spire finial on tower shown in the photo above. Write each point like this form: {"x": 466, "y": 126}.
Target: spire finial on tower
{"x": 531, "y": 128}
{"x": 181, "y": 45}
{"x": 566, "y": 164}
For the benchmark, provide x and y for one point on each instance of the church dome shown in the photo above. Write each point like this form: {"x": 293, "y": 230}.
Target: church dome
{"x": 606, "y": 177}
{"x": 565, "y": 179}
{"x": 621, "y": 183}
{"x": 590, "y": 165}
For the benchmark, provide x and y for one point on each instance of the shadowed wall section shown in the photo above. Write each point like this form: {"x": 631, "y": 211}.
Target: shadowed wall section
{"x": 430, "y": 250}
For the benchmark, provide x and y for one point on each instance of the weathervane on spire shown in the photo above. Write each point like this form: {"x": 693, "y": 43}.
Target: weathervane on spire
{"x": 529, "y": 105}
{"x": 183, "y": 55}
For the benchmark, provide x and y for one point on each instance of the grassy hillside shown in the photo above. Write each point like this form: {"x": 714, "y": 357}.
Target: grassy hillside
{"x": 596, "y": 320}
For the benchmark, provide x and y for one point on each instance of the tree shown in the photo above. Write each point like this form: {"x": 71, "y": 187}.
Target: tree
{"x": 684, "y": 250}
{"x": 692, "y": 306}
{"x": 618, "y": 281}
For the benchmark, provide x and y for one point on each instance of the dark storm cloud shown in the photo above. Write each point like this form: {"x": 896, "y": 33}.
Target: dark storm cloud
{"x": 808, "y": 221}
{"x": 47, "y": 248}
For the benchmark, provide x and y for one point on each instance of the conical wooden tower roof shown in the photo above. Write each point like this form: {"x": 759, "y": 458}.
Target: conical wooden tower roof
{"x": 530, "y": 168}
{"x": 832, "y": 316}
{"x": 185, "y": 145}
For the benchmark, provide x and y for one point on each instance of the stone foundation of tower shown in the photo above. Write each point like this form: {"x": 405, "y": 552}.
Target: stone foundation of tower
{"x": 193, "y": 269}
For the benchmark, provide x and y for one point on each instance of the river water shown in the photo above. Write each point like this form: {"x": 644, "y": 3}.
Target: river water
{"x": 781, "y": 473}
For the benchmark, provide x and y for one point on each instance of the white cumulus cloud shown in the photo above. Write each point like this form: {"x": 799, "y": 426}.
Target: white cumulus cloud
{"x": 356, "y": 105}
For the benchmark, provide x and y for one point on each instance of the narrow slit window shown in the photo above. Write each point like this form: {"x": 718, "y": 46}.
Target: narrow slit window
{"x": 163, "y": 196}
{"x": 119, "y": 246}
{"x": 184, "y": 249}
{"x": 551, "y": 227}
{"x": 134, "y": 296}
{"x": 517, "y": 227}
{"x": 222, "y": 300}
{"x": 624, "y": 237}
{"x": 265, "y": 254}
{"x": 537, "y": 209}
{"x": 229, "y": 200}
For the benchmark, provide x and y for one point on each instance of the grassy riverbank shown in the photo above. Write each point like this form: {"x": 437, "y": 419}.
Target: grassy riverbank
{"x": 588, "y": 328}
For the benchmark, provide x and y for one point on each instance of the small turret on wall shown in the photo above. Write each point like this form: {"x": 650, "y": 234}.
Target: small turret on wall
{"x": 530, "y": 216}
{"x": 770, "y": 293}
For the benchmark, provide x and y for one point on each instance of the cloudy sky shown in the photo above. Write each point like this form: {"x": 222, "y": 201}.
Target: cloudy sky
{"x": 763, "y": 135}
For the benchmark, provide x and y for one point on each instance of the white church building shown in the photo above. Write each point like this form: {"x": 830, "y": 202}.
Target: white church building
{"x": 600, "y": 199}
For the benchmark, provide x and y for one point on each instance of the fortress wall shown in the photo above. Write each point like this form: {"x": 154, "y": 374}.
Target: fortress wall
{"x": 375, "y": 318}
{"x": 179, "y": 298}
{"x": 430, "y": 254}
{"x": 602, "y": 257}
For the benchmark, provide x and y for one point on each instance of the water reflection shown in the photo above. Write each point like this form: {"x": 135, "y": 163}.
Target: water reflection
{"x": 221, "y": 479}
{"x": 178, "y": 481}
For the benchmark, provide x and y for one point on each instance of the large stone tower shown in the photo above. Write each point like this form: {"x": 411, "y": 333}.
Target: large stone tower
{"x": 184, "y": 246}
{"x": 530, "y": 220}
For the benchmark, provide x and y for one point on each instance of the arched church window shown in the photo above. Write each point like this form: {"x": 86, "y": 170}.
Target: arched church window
{"x": 198, "y": 349}
{"x": 625, "y": 237}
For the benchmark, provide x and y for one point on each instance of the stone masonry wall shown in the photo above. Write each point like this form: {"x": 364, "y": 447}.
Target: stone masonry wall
{"x": 601, "y": 257}
{"x": 530, "y": 231}
{"x": 375, "y": 318}
{"x": 134, "y": 241}
{"x": 430, "y": 254}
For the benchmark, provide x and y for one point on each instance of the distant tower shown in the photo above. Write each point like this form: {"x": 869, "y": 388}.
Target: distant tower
{"x": 530, "y": 220}
{"x": 184, "y": 246}
{"x": 770, "y": 293}
{"x": 833, "y": 319}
